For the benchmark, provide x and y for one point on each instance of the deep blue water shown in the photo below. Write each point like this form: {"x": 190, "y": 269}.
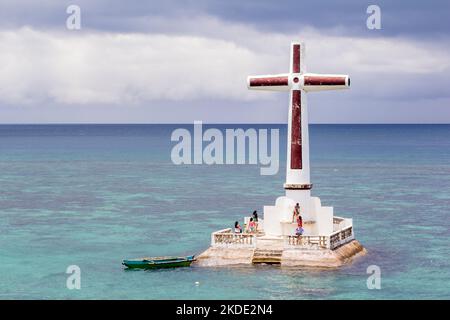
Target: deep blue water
{"x": 91, "y": 195}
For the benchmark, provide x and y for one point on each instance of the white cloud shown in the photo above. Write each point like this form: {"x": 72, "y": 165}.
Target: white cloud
{"x": 210, "y": 61}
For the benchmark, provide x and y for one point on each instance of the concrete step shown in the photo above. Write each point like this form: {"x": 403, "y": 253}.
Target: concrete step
{"x": 267, "y": 256}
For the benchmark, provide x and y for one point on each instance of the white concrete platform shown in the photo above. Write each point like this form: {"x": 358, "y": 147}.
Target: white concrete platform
{"x": 290, "y": 257}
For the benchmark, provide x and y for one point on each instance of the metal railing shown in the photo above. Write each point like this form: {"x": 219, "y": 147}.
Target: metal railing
{"x": 331, "y": 241}
{"x": 227, "y": 238}
{"x": 337, "y": 220}
{"x": 307, "y": 241}
{"x": 340, "y": 223}
{"x": 340, "y": 237}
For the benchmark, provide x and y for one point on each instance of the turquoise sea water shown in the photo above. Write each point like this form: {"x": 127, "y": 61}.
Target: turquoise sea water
{"x": 91, "y": 195}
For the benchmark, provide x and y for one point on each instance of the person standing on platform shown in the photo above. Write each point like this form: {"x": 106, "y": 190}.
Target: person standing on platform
{"x": 296, "y": 213}
{"x": 255, "y": 219}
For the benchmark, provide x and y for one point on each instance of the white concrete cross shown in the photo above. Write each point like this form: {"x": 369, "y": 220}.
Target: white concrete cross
{"x": 297, "y": 81}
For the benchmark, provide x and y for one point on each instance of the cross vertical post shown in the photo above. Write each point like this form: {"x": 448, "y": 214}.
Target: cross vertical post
{"x": 298, "y": 82}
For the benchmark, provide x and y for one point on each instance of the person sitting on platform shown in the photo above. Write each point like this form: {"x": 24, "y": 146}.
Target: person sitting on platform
{"x": 237, "y": 227}
{"x": 255, "y": 219}
{"x": 296, "y": 213}
{"x": 251, "y": 228}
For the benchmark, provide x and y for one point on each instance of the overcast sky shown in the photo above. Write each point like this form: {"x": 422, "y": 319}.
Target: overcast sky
{"x": 180, "y": 61}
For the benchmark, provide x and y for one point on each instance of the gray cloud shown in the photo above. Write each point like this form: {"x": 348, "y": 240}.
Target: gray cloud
{"x": 413, "y": 18}
{"x": 183, "y": 61}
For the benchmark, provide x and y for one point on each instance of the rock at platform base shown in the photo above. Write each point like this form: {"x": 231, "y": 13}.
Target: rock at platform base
{"x": 323, "y": 258}
{"x": 319, "y": 258}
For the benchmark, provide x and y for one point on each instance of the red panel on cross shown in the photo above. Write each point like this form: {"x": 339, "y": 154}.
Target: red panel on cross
{"x": 296, "y": 131}
{"x": 296, "y": 58}
{"x": 269, "y": 81}
{"x": 324, "y": 81}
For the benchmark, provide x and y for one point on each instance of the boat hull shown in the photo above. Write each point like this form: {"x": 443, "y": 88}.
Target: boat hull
{"x": 158, "y": 263}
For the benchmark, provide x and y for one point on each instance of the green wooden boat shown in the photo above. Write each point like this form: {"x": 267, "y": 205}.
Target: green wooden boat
{"x": 159, "y": 262}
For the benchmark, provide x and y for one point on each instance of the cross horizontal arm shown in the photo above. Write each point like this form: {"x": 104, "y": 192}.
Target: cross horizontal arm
{"x": 321, "y": 82}
{"x": 278, "y": 82}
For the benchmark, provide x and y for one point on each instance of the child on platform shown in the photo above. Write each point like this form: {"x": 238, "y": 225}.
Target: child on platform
{"x": 237, "y": 227}
{"x": 251, "y": 228}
